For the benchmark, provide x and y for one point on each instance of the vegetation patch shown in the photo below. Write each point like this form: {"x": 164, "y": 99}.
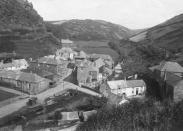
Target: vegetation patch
{"x": 137, "y": 116}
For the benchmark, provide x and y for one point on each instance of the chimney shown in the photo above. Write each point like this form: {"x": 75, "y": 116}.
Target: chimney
{"x": 30, "y": 59}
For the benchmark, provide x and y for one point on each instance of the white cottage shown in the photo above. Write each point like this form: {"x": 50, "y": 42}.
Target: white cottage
{"x": 127, "y": 88}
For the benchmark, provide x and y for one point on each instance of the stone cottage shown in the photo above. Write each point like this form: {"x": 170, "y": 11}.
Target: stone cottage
{"x": 25, "y": 82}
{"x": 170, "y": 78}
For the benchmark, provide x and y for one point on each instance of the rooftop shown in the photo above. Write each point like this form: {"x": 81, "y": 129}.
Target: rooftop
{"x": 103, "y": 56}
{"x": 125, "y": 84}
{"x": 66, "y": 41}
{"x": 49, "y": 60}
{"x": 169, "y": 66}
{"x": 22, "y": 76}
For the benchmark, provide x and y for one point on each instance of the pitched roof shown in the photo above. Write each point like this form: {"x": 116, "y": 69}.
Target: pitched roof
{"x": 50, "y": 61}
{"x": 169, "y": 66}
{"x": 22, "y": 76}
{"x": 38, "y": 71}
{"x": 99, "y": 63}
{"x": 135, "y": 83}
{"x": 83, "y": 63}
{"x": 20, "y": 62}
{"x": 116, "y": 84}
{"x": 118, "y": 67}
{"x": 103, "y": 56}
{"x": 14, "y": 63}
{"x": 125, "y": 84}
{"x": 66, "y": 41}
{"x": 83, "y": 73}
{"x": 66, "y": 50}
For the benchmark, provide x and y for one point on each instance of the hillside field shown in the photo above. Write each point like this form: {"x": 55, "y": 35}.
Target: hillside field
{"x": 99, "y": 47}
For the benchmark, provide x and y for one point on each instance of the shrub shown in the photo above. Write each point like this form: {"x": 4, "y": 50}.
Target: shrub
{"x": 137, "y": 116}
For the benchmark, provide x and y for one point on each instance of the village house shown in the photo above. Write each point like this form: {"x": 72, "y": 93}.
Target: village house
{"x": 53, "y": 65}
{"x": 40, "y": 72}
{"x": 170, "y": 78}
{"x": 112, "y": 98}
{"x": 65, "y": 54}
{"x": 106, "y": 58}
{"x": 168, "y": 66}
{"x": 68, "y": 43}
{"x": 25, "y": 82}
{"x": 127, "y": 88}
{"x": 88, "y": 74}
{"x": 81, "y": 55}
{"x": 99, "y": 63}
{"x": 18, "y": 64}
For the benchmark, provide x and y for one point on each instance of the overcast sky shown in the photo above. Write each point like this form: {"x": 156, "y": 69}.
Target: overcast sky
{"x": 133, "y": 14}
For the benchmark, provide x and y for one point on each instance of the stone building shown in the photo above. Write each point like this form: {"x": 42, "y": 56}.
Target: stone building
{"x": 169, "y": 75}
{"x": 127, "y": 88}
{"x": 25, "y": 82}
{"x": 56, "y": 66}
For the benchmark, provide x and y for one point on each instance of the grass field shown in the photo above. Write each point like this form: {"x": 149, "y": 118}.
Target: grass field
{"x": 99, "y": 47}
{"x": 6, "y": 95}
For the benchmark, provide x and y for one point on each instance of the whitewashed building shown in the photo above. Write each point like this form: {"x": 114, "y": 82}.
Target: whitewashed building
{"x": 18, "y": 64}
{"x": 127, "y": 88}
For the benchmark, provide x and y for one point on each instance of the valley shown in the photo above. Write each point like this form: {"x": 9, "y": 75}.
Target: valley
{"x": 88, "y": 74}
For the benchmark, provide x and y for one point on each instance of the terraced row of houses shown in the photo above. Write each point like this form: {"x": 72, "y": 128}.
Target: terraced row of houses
{"x": 40, "y": 74}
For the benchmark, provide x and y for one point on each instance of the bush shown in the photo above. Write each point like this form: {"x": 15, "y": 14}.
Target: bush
{"x": 137, "y": 116}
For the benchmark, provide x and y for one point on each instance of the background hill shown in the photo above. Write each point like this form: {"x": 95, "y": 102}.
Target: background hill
{"x": 168, "y": 35}
{"x": 22, "y": 30}
{"x": 161, "y": 42}
{"x": 89, "y": 30}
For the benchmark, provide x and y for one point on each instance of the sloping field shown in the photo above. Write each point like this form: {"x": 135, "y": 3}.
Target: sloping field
{"x": 99, "y": 47}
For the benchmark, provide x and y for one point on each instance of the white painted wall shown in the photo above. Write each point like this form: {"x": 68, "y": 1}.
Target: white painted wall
{"x": 129, "y": 91}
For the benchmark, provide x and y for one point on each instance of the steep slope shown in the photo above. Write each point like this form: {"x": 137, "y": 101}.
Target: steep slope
{"x": 137, "y": 57}
{"x": 88, "y": 30}
{"x": 22, "y": 30}
{"x": 168, "y": 35}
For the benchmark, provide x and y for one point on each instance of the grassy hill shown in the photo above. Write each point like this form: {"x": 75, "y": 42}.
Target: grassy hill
{"x": 89, "y": 30}
{"x": 168, "y": 35}
{"x": 22, "y": 30}
{"x": 136, "y": 57}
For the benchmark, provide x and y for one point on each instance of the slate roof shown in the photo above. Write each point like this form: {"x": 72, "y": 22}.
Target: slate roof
{"x": 50, "y": 61}
{"x": 66, "y": 50}
{"x": 118, "y": 67}
{"x": 125, "y": 84}
{"x": 66, "y": 41}
{"x": 83, "y": 74}
{"x": 99, "y": 63}
{"x": 38, "y": 71}
{"x": 135, "y": 83}
{"x": 83, "y": 63}
{"x": 14, "y": 63}
{"x": 169, "y": 66}
{"x": 22, "y": 76}
{"x": 103, "y": 56}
